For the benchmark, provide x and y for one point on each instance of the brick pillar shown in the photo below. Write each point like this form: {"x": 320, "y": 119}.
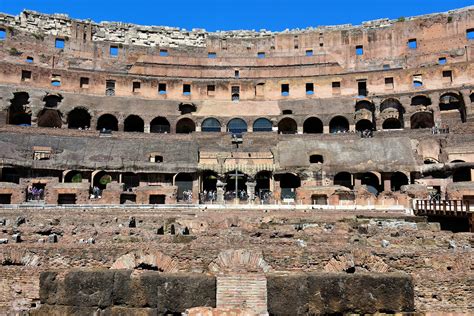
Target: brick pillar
{"x": 247, "y": 291}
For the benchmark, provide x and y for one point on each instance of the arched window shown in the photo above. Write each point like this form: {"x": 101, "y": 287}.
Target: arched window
{"x": 339, "y": 124}
{"x": 79, "y": 118}
{"x": 185, "y": 126}
{"x": 237, "y": 126}
{"x": 422, "y": 120}
{"x": 287, "y": 126}
{"x": 420, "y": 100}
{"x": 107, "y": 122}
{"x": 366, "y": 105}
{"x": 313, "y": 125}
{"x": 316, "y": 159}
{"x": 211, "y": 125}
{"x": 452, "y": 103}
{"x": 288, "y": 185}
{"x": 364, "y": 125}
{"x": 343, "y": 179}
{"x": 392, "y": 123}
{"x": 134, "y": 123}
{"x": 184, "y": 182}
{"x": 262, "y": 125}
{"x": 159, "y": 125}
{"x": 371, "y": 181}
{"x": 398, "y": 179}
{"x": 52, "y": 100}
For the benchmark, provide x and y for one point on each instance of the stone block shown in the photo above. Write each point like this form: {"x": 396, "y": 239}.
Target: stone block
{"x": 287, "y": 294}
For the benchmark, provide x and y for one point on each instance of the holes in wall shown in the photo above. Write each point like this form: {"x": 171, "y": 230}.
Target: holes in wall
{"x": 237, "y": 74}
{"x": 29, "y": 59}
{"x": 447, "y": 76}
{"x": 164, "y": 53}
{"x": 285, "y": 89}
{"x": 389, "y": 83}
{"x": 309, "y": 52}
{"x": 260, "y": 55}
{"x": 470, "y": 34}
{"x": 3, "y": 34}
{"x": 84, "y": 82}
{"x": 211, "y": 55}
{"x": 113, "y": 51}
{"x": 359, "y": 50}
{"x": 412, "y": 43}
{"x": 211, "y": 89}
{"x": 442, "y": 61}
{"x": 417, "y": 81}
{"x": 25, "y": 75}
{"x": 56, "y": 80}
{"x": 309, "y": 88}
{"x": 235, "y": 93}
{"x": 136, "y": 86}
{"x": 336, "y": 87}
{"x": 287, "y": 112}
{"x": 59, "y": 43}
{"x": 260, "y": 89}
{"x": 162, "y": 88}
{"x": 316, "y": 159}
{"x": 110, "y": 87}
{"x": 386, "y": 67}
{"x": 362, "y": 88}
{"x": 186, "y": 89}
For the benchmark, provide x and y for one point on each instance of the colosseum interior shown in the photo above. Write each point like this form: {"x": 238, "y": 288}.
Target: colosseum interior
{"x": 152, "y": 170}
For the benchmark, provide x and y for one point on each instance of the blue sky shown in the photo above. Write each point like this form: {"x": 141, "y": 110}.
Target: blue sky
{"x": 275, "y": 15}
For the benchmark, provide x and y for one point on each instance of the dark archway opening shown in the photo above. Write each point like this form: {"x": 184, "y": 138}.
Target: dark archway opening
{"x": 462, "y": 174}
{"x": 422, "y": 120}
{"x": 79, "y": 118}
{"x": 134, "y": 123}
{"x": 343, "y": 179}
{"x": 451, "y": 103}
{"x": 392, "y": 123}
{"x": 186, "y": 108}
{"x": 316, "y": 159}
{"x": 159, "y": 125}
{"x": 130, "y": 180}
{"x": 397, "y": 180}
{"x": 211, "y": 125}
{"x": 184, "y": 182}
{"x": 185, "y": 126}
{"x": 420, "y": 100}
{"x": 209, "y": 181}
{"x": 101, "y": 179}
{"x": 288, "y": 185}
{"x": 10, "y": 175}
{"x": 107, "y": 122}
{"x": 52, "y": 101}
{"x": 17, "y": 114}
{"x": 338, "y": 124}
{"x": 364, "y": 125}
{"x": 50, "y": 118}
{"x": 287, "y": 126}
{"x": 73, "y": 177}
{"x": 371, "y": 181}
{"x": 262, "y": 181}
{"x": 231, "y": 183}
{"x": 313, "y": 125}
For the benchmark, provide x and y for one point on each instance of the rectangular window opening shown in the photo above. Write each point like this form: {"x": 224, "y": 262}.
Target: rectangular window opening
{"x": 186, "y": 89}
{"x": 309, "y": 88}
{"x": 389, "y": 83}
{"x": 162, "y": 88}
{"x": 110, "y": 87}
{"x": 136, "y": 85}
{"x": 113, "y": 51}
{"x": 56, "y": 80}
{"x": 259, "y": 89}
{"x": 362, "y": 88}
{"x": 261, "y": 55}
{"x": 412, "y": 43}
{"x": 359, "y": 50}
{"x": 386, "y": 67}
{"x": 3, "y": 34}
{"x": 211, "y": 89}
{"x": 237, "y": 74}
{"x": 164, "y": 53}
{"x": 448, "y": 75}
{"x": 470, "y": 34}
{"x": 417, "y": 81}
{"x": 25, "y": 75}
{"x": 84, "y": 82}
{"x": 442, "y": 60}
{"x": 285, "y": 89}
{"x": 235, "y": 93}
{"x": 59, "y": 43}
{"x": 29, "y": 59}
{"x": 211, "y": 55}
{"x": 336, "y": 87}
{"x": 309, "y": 52}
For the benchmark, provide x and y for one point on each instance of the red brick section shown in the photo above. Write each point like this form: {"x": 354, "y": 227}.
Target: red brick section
{"x": 244, "y": 291}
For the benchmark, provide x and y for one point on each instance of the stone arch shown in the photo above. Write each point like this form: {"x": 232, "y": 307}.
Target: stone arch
{"x": 343, "y": 179}
{"x": 392, "y": 123}
{"x": 107, "y": 122}
{"x": 363, "y": 125}
{"x": 313, "y": 125}
{"x": 262, "y": 125}
{"x": 146, "y": 260}
{"x": 287, "y": 125}
{"x": 73, "y": 176}
{"x": 452, "y": 102}
{"x": 18, "y": 111}
{"x": 392, "y": 103}
{"x": 240, "y": 260}
{"x": 391, "y": 113}
{"x": 365, "y": 105}
{"x": 422, "y": 120}
{"x": 185, "y": 126}
{"x": 50, "y": 118}
{"x": 370, "y": 180}
{"x": 338, "y": 124}
{"x": 237, "y": 126}
{"x": 52, "y": 100}
{"x": 160, "y": 125}
{"x": 211, "y": 124}
{"x": 356, "y": 261}
{"x": 420, "y": 100}
{"x": 79, "y": 117}
{"x": 461, "y": 174}
{"x": 134, "y": 123}
{"x": 397, "y": 180}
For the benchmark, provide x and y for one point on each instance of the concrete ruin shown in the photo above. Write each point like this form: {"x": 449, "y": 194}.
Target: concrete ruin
{"x": 238, "y": 165}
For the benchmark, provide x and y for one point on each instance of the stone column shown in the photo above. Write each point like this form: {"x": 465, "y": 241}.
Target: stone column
{"x": 146, "y": 128}
{"x": 251, "y": 184}
{"x": 220, "y": 192}
{"x": 326, "y": 129}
